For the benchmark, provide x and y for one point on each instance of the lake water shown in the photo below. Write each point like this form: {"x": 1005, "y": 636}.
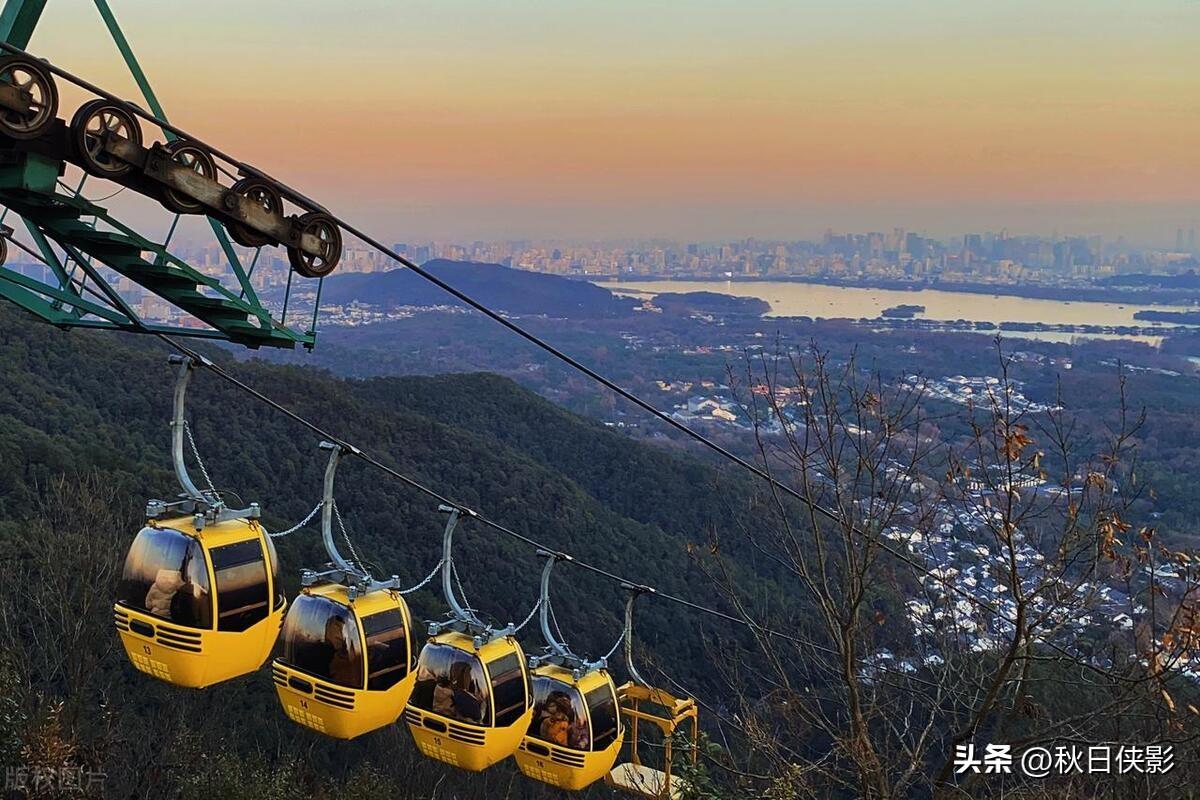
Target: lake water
{"x": 789, "y": 299}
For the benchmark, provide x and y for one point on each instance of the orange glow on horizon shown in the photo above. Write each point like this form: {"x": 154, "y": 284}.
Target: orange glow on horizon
{"x": 1098, "y": 113}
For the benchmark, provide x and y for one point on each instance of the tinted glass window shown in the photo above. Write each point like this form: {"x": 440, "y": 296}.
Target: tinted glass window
{"x": 450, "y": 682}
{"x": 606, "y": 718}
{"x": 387, "y": 649}
{"x": 508, "y": 688}
{"x": 241, "y": 574}
{"x": 321, "y": 637}
{"x": 165, "y": 575}
{"x": 558, "y": 714}
{"x": 276, "y": 578}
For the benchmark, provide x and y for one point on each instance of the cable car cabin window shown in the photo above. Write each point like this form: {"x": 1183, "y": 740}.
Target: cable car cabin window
{"x": 165, "y": 575}
{"x": 387, "y": 649}
{"x": 558, "y": 714}
{"x": 321, "y": 638}
{"x": 450, "y": 682}
{"x": 241, "y": 574}
{"x": 276, "y": 577}
{"x": 602, "y": 707}
{"x": 508, "y": 689}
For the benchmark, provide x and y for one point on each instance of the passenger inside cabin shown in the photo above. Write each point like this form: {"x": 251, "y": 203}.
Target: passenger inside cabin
{"x": 468, "y": 705}
{"x": 452, "y": 684}
{"x": 556, "y": 719}
{"x": 162, "y": 592}
{"x": 173, "y": 595}
{"x": 578, "y": 737}
{"x": 343, "y": 665}
{"x": 443, "y": 697}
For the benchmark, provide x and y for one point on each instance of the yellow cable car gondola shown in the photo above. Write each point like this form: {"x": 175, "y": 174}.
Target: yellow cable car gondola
{"x": 200, "y": 600}
{"x": 470, "y": 705}
{"x": 668, "y": 713}
{"x": 576, "y": 733}
{"x": 345, "y": 666}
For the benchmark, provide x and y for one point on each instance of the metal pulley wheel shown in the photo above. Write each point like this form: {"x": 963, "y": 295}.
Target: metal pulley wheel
{"x": 95, "y": 120}
{"x": 325, "y": 228}
{"x": 198, "y": 160}
{"x": 266, "y": 196}
{"x": 35, "y": 85}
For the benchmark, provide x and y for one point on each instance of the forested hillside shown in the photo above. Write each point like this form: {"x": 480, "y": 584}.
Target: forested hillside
{"x": 83, "y": 444}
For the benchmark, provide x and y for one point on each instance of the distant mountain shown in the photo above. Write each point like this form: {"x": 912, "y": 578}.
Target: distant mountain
{"x": 501, "y": 288}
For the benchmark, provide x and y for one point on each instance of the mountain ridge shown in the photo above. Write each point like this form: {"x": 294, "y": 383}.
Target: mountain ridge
{"x": 511, "y": 290}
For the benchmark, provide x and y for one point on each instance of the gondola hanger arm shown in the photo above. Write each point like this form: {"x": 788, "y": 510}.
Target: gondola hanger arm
{"x": 206, "y": 507}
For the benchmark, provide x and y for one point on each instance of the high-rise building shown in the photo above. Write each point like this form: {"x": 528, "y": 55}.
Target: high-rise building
{"x": 875, "y": 243}
{"x": 972, "y": 249}
{"x": 914, "y": 245}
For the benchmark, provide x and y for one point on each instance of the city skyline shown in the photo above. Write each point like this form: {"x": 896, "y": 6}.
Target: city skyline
{"x": 1183, "y": 241}
{"x": 774, "y": 120}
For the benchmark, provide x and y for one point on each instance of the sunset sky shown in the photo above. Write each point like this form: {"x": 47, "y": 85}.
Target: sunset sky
{"x": 695, "y": 120}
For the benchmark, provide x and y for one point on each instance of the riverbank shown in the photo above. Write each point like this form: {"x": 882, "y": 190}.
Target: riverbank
{"x": 1092, "y": 293}
{"x": 1050, "y": 320}
{"x": 795, "y": 299}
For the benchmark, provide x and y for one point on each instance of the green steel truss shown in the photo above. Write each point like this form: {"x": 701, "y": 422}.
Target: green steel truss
{"x": 73, "y": 237}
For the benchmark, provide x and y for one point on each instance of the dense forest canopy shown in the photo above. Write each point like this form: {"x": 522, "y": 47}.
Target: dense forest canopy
{"x": 84, "y": 443}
